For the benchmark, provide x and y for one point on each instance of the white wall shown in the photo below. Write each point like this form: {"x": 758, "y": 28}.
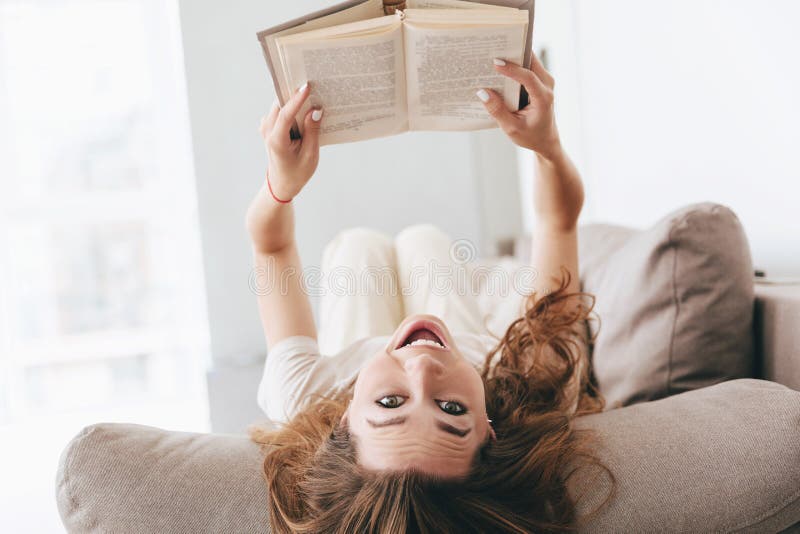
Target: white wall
{"x": 466, "y": 183}
{"x": 686, "y": 101}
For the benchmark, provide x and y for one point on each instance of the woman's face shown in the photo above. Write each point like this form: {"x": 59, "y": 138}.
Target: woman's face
{"x": 419, "y": 404}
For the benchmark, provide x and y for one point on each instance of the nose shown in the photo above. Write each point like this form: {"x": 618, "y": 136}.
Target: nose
{"x": 422, "y": 369}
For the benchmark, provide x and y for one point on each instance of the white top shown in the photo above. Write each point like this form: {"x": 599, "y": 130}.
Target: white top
{"x": 296, "y": 372}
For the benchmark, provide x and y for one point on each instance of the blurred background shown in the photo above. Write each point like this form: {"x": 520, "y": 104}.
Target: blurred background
{"x": 129, "y": 152}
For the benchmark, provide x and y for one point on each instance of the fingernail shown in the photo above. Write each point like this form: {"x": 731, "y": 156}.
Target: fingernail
{"x": 316, "y": 115}
{"x": 483, "y": 95}
{"x": 303, "y": 88}
{"x": 499, "y": 62}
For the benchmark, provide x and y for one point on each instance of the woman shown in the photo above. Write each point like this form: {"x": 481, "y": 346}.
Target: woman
{"x": 437, "y": 427}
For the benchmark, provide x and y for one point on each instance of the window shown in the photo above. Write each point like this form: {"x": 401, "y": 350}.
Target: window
{"x": 102, "y": 311}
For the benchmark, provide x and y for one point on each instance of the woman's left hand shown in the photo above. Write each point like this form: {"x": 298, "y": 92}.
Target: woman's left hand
{"x": 534, "y": 126}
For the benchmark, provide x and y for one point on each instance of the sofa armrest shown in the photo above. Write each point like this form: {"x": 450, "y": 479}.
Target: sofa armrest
{"x": 777, "y": 328}
{"x": 115, "y": 477}
{"x": 724, "y": 459}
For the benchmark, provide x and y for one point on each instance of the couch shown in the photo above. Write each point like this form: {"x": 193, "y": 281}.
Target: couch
{"x": 702, "y": 431}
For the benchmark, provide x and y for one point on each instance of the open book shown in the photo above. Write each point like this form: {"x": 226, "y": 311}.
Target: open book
{"x": 417, "y": 68}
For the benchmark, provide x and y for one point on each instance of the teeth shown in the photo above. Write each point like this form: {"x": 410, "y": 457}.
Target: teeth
{"x": 428, "y": 342}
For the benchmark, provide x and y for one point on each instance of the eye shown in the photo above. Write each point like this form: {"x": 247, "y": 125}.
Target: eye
{"x": 452, "y": 407}
{"x": 391, "y": 401}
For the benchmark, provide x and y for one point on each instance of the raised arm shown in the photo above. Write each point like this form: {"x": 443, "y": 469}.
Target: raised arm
{"x": 557, "y": 202}
{"x": 558, "y": 191}
{"x": 283, "y": 304}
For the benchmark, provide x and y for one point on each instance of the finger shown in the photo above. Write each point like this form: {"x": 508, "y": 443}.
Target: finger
{"x": 521, "y": 75}
{"x": 538, "y": 69}
{"x": 268, "y": 120}
{"x": 497, "y": 108}
{"x": 312, "y": 126}
{"x": 287, "y": 114}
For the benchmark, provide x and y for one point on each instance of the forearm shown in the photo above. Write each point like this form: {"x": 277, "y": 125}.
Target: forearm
{"x": 558, "y": 193}
{"x": 558, "y": 199}
{"x": 270, "y": 224}
{"x": 283, "y": 304}
{"x": 282, "y": 299}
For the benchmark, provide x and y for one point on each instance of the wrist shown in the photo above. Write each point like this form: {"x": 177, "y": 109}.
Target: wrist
{"x": 558, "y": 192}
{"x": 552, "y": 154}
{"x": 557, "y": 164}
{"x": 275, "y": 189}
{"x": 272, "y": 229}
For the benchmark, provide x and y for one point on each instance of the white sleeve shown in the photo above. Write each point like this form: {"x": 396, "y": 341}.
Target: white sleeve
{"x": 296, "y": 372}
{"x": 294, "y": 368}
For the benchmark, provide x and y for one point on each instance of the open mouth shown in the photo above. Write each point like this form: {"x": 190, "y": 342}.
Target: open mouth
{"x": 423, "y": 334}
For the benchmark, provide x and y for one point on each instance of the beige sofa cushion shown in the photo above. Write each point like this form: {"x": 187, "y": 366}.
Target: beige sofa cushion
{"x": 725, "y": 458}
{"x": 675, "y": 303}
{"x": 131, "y": 478}
{"x": 719, "y": 459}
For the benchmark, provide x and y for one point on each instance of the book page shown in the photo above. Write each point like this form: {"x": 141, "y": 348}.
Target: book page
{"x": 450, "y": 4}
{"x": 446, "y": 66}
{"x": 357, "y": 76}
{"x": 367, "y": 10}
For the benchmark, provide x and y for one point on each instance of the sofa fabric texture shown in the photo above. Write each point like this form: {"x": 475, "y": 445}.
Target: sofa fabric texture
{"x": 675, "y": 304}
{"x": 131, "y": 478}
{"x": 725, "y": 458}
{"x": 719, "y": 459}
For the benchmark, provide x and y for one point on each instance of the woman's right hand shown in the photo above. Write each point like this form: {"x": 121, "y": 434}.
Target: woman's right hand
{"x": 292, "y": 162}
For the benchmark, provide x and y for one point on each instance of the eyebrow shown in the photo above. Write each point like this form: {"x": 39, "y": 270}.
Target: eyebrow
{"x": 450, "y": 429}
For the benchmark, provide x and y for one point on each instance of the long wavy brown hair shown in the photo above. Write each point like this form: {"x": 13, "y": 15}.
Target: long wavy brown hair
{"x": 517, "y": 482}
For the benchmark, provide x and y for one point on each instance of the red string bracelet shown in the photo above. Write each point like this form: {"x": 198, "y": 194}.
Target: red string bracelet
{"x": 271, "y": 192}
